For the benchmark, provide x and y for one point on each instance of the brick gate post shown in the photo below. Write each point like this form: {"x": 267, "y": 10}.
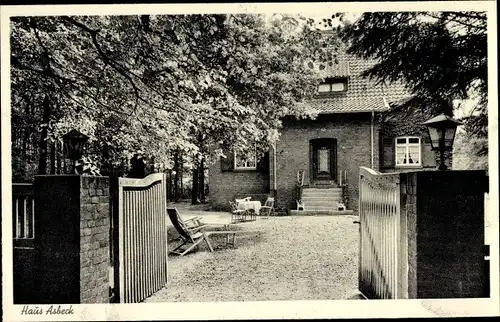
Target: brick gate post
{"x": 445, "y": 221}
{"x": 72, "y": 246}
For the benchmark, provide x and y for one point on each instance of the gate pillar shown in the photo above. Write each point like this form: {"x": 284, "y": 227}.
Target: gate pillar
{"x": 72, "y": 249}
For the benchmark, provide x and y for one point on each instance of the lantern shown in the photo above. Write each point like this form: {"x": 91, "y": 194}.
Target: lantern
{"x": 74, "y": 143}
{"x": 442, "y": 129}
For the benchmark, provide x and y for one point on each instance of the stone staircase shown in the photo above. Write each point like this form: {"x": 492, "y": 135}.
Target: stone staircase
{"x": 321, "y": 200}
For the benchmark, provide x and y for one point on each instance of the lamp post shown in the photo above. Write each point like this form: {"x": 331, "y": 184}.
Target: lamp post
{"x": 74, "y": 142}
{"x": 442, "y": 129}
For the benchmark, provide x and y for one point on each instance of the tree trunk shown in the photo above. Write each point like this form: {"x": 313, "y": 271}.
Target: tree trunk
{"x": 194, "y": 188}
{"x": 181, "y": 177}
{"x": 27, "y": 148}
{"x": 169, "y": 186}
{"x": 176, "y": 176}
{"x": 53, "y": 158}
{"x": 42, "y": 163}
{"x": 58, "y": 157}
{"x": 152, "y": 166}
{"x": 202, "y": 180}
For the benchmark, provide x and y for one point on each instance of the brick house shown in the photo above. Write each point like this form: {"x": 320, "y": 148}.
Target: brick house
{"x": 353, "y": 128}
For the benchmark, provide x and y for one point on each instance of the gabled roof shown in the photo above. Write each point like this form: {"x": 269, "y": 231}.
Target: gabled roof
{"x": 363, "y": 94}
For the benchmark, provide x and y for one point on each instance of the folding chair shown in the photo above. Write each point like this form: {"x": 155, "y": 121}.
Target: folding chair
{"x": 268, "y": 208}
{"x": 192, "y": 237}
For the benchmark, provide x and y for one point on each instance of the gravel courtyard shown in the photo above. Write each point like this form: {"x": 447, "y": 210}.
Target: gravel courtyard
{"x": 280, "y": 258}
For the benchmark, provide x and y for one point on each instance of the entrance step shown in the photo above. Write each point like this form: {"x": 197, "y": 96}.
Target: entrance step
{"x": 325, "y": 204}
{"x": 318, "y": 191}
{"x": 321, "y": 199}
{"x": 320, "y": 194}
{"x": 320, "y": 212}
{"x": 321, "y": 187}
{"x": 327, "y": 184}
{"x": 321, "y": 207}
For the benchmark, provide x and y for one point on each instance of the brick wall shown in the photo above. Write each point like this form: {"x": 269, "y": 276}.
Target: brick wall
{"x": 450, "y": 232}
{"x": 23, "y": 275}
{"x": 72, "y": 242}
{"x": 445, "y": 222}
{"x": 94, "y": 239}
{"x": 227, "y": 185}
{"x": 352, "y": 132}
{"x": 409, "y": 203}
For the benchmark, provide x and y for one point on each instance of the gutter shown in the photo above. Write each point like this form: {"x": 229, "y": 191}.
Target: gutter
{"x": 372, "y": 130}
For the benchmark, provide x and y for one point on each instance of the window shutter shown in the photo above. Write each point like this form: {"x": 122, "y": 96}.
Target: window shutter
{"x": 387, "y": 152}
{"x": 263, "y": 163}
{"x": 227, "y": 163}
{"x": 428, "y": 155}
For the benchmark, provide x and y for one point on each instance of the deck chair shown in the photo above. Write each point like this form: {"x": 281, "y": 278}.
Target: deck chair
{"x": 268, "y": 208}
{"x": 192, "y": 237}
{"x": 194, "y": 224}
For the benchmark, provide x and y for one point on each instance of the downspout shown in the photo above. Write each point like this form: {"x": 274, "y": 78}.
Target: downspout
{"x": 372, "y": 137}
{"x": 274, "y": 169}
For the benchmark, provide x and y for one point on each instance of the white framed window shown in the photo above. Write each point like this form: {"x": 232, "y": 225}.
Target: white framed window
{"x": 333, "y": 86}
{"x": 408, "y": 151}
{"x": 245, "y": 163}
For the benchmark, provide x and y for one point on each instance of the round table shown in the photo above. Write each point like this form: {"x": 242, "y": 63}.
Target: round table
{"x": 246, "y": 205}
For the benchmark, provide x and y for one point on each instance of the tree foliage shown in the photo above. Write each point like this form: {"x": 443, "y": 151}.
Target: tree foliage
{"x": 440, "y": 56}
{"x": 469, "y": 153}
{"x": 161, "y": 83}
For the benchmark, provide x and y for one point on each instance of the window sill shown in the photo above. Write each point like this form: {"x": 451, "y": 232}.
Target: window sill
{"x": 330, "y": 94}
{"x": 244, "y": 169}
{"x": 409, "y": 166}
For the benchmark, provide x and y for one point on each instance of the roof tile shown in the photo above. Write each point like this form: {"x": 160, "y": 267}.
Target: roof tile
{"x": 363, "y": 94}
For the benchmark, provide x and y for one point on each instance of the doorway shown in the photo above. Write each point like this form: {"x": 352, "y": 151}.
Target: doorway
{"x": 323, "y": 160}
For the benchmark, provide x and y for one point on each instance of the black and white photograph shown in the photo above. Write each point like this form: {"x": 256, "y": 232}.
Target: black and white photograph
{"x": 249, "y": 161}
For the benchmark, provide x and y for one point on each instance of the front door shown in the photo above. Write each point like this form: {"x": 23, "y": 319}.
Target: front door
{"x": 324, "y": 160}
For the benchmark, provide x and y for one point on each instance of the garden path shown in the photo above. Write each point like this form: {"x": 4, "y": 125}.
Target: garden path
{"x": 280, "y": 258}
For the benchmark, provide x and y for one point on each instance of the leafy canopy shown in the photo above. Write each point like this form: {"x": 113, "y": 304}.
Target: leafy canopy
{"x": 162, "y": 83}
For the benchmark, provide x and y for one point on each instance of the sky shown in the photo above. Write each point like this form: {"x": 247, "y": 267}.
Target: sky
{"x": 318, "y": 17}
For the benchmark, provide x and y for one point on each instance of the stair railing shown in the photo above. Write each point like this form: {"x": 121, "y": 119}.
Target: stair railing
{"x": 299, "y": 188}
{"x": 344, "y": 185}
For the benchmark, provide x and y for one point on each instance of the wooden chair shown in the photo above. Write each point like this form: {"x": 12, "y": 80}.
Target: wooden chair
{"x": 237, "y": 214}
{"x": 251, "y": 213}
{"x": 191, "y": 235}
{"x": 268, "y": 208}
{"x": 194, "y": 224}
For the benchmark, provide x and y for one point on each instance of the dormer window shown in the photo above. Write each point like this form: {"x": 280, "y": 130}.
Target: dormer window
{"x": 332, "y": 86}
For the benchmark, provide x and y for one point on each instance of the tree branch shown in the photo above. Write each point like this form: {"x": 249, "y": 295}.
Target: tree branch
{"x": 460, "y": 22}
{"x": 15, "y": 61}
{"x": 45, "y": 51}
{"x": 94, "y": 33}
{"x": 106, "y": 59}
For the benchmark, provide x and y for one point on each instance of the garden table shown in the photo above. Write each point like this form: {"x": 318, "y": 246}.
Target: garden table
{"x": 247, "y": 205}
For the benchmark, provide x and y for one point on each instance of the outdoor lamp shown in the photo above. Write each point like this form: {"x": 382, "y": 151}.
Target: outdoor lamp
{"x": 442, "y": 129}
{"x": 74, "y": 142}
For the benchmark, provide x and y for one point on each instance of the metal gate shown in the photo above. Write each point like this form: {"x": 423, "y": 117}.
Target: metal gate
{"x": 380, "y": 242}
{"x": 23, "y": 233}
{"x": 139, "y": 237}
